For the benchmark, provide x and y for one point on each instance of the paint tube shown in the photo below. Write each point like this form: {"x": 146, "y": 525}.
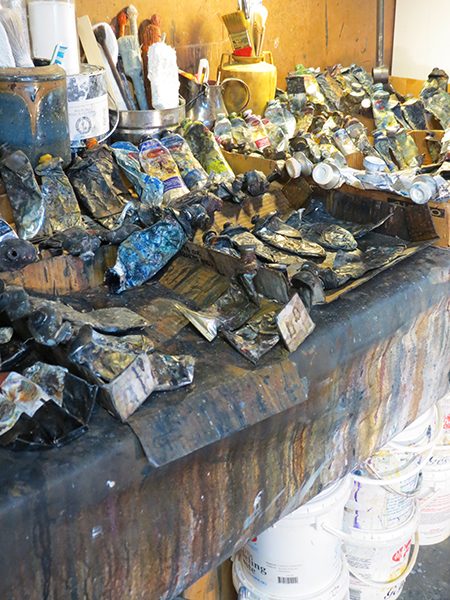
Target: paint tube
{"x": 149, "y": 189}
{"x": 157, "y": 161}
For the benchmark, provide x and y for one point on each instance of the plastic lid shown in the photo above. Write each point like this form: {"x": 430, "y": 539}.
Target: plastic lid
{"x": 293, "y": 168}
{"x": 366, "y": 103}
{"x": 420, "y": 193}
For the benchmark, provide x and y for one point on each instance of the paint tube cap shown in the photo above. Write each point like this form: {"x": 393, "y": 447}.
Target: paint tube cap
{"x": 293, "y": 168}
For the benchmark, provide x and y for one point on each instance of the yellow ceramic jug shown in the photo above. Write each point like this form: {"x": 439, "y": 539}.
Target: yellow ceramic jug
{"x": 258, "y": 72}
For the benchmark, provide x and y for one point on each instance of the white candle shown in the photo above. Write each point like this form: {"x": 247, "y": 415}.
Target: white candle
{"x": 53, "y": 22}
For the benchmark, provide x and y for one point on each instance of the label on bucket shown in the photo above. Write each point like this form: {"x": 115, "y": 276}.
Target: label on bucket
{"x": 88, "y": 118}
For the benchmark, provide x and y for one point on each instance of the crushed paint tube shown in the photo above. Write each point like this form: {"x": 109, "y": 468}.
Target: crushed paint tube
{"x": 257, "y": 337}
{"x": 9, "y": 414}
{"x": 317, "y": 213}
{"x": 48, "y": 327}
{"x": 114, "y": 320}
{"x": 308, "y": 284}
{"x": 15, "y": 302}
{"x": 207, "y": 151}
{"x": 381, "y": 145}
{"x": 61, "y": 205}
{"x": 6, "y": 334}
{"x": 24, "y": 194}
{"x": 276, "y": 225}
{"x": 414, "y": 113}
{"x": 16, "y": 254}
{"x": 220, "y": 243}
{"x": 255, "y": 183}
{"x": 342, "y": 267}
{"x": 157, "y": 161}
{"x": 6, "y": 231}
{"x": 110, "y": 236}
{"x": 329, "y": 236}
{"x": 98, "y": 185}
{"x": 434, "y": 147}
{"x": 192, "y": 172}
{"x": 54, "y": 423}
{"x": 404, "y": 149}
{"x": 229, "y": 312}
{"x": 300, "y": 246}
{"x": 27, "y": 396}
{"x": 172, "y": 372}
{"x": 206, "y": 324}
{"x": 104, "y": 357}
{"x": 149, "y": 189}
{"x": 50, "y": 378}
{"x": 145, "y": 253}
{"x": 242, "y": 238}
{"x": 76, "y": 241}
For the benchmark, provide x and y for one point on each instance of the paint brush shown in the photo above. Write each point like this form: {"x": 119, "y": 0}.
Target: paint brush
{"x": 6, "y": 55}
{"x": 12, "y": 24}
{"x": 100, "y": 35}
{"x": 132, "y": 62}
{"x": 132, "y": 14}
{"x": 150, "y": 34}
{"x": 238, "y": 30}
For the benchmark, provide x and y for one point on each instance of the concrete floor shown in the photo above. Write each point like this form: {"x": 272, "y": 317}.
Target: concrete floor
{"x": 430, "y": 580}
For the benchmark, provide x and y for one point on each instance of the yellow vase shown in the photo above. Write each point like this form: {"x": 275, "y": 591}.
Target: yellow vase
{"x": 258, "y": 72}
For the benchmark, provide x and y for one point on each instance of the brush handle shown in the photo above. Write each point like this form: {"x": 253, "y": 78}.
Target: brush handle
{"x": 115, "y": 73}
{"x": 133, "y": 19}
{"x": 139, "y": 89}
{"x": 129, "y": 99}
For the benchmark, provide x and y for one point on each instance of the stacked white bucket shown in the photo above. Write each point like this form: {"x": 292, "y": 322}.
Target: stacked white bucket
{"x": 381, "y": 518}
{"x": 359, "y": 539}
{"x": 435, "y": 495}
{"x": 297, "y": 558}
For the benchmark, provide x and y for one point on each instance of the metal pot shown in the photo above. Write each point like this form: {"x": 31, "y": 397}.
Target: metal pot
{"x": 135, "y": 124}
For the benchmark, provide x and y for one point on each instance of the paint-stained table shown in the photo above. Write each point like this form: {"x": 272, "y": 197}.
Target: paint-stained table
{"x": 114, "y": 516}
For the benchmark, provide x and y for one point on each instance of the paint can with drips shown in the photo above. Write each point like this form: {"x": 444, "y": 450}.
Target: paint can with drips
{"x": 33, "y": 112}
{"x": 87, "y": 105}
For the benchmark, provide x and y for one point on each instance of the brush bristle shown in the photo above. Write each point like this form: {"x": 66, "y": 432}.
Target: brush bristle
{"x": 100, "y": 34}
{"x": 12, "y": 24}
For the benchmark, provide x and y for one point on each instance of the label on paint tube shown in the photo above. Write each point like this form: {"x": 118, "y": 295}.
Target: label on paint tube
{"x": 6, "y": 231}
{"x": 88, "y": 118}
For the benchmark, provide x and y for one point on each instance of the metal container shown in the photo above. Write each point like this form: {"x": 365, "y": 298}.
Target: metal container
{"x": 88, "y": 104}
{"x": 33, "y": 112}
{"x": 133, "y": 125}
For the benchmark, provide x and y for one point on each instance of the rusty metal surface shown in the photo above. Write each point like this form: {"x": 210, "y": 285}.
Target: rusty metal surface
{"x": 96, "y": 520}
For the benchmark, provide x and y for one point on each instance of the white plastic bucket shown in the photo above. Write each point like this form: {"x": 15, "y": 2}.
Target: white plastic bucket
{"x": 297, "y": 557}
{"x": 386, "y": 485}
{"x": 434, "y": 525}
{"x": 359, "y": 591}
{"x": 380, "y": 560}
{"x": 336, "y": 590}
{"x": 444, "y": 407}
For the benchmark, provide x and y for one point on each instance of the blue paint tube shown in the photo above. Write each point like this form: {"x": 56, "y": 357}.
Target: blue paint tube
{"x": 149, "y": 189}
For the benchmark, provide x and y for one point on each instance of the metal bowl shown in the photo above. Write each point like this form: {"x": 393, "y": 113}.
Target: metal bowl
{"x": 135, "y": 124}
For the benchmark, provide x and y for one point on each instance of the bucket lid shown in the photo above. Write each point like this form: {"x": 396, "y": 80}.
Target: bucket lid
{"x": 20, "y": 74}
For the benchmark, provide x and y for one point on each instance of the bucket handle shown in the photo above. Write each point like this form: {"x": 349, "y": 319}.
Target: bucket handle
{"x": 400, "y": 579}
{"x": 362, "y": 578}
{"x": 389, "y": 488}
{"x": 438, "y": 418}
{"x": 379, "y": 480}
{"x": 246, "y": 88}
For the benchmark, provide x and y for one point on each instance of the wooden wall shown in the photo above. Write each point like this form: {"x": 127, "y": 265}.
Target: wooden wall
{"x": 312, "y": 32}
